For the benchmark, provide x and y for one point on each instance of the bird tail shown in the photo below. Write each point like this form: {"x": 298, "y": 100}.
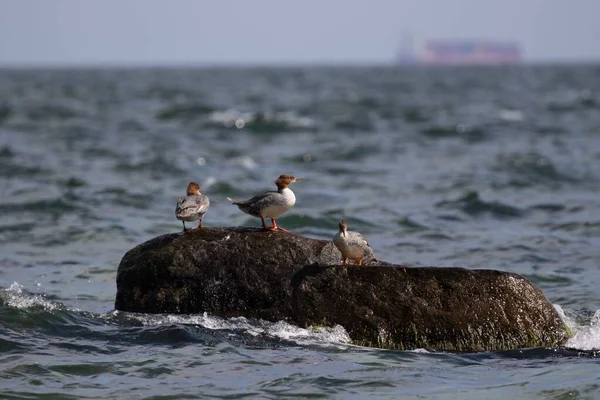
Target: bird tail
{"x": 236, "y": 202}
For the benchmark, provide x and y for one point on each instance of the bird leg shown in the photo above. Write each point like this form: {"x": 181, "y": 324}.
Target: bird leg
{"x": 343, "y": 260}
{"x": 264, "y": 226}
{"x": 199, "y": 224}
{"x": 360, "y": 261}
{"x": 274, "y": 226}
{"x": 183, "y": 222}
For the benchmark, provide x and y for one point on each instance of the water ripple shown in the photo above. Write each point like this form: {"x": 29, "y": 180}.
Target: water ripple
{"x": 477, "y": 167}
{"x": 472, "y": 204}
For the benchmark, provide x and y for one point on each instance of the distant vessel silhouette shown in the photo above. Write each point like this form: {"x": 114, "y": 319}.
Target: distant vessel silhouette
{"x": 458, "y": 52}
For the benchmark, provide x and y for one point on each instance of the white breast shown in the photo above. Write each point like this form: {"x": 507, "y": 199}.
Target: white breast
{"x": 290, "y": 197}
{"x": 277, "y": 208}
{"x": 274, "y": 211}
{"x": 352, "y": 245}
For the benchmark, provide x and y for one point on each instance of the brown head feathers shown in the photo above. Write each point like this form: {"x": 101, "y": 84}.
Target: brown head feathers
{"x": 285, "y": 179}
{"x": 193, "y": 188}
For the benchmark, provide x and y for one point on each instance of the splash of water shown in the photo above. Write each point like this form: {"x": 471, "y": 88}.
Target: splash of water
{"x": 14, "y": 296}
{"x": 280, "y": 329}
{"x": 585, "y": 337}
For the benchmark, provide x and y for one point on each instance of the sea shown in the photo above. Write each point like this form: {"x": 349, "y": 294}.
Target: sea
{"x": 475, "y": 167}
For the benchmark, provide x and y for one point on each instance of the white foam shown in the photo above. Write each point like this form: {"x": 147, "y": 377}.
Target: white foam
{"x": 208, "y": 182}
{"x": 282, "y": 330}
{"x": 420, "y": 351}
{"x": 511, "y": 115}
{"x": 15, "y": 297}
{"x": 232, "y": 117}
{"x": 585, "y": 337}
{"x": 244, "y": 161}
{"x": 229, "y": 117}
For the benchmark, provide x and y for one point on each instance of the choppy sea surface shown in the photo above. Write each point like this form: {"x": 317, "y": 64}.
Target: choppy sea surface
{"x": 474, "y": 167}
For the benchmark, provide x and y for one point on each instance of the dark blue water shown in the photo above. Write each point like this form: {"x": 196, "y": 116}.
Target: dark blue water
{"x": 473, "y": 167}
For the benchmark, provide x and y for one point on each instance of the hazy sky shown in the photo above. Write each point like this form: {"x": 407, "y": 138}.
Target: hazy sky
{"x": 90, "y": 32}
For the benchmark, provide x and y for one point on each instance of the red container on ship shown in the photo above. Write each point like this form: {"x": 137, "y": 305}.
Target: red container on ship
{"x": 447, "y": 52}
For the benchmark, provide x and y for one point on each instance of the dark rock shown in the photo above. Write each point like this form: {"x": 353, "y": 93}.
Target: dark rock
{"x": 282, "y": 276}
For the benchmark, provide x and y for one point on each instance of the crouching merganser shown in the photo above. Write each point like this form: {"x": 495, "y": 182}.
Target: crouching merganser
{"x": 193, "y": 206}
{"x": 352, "y": 245}
{"x": 270, "y": 204}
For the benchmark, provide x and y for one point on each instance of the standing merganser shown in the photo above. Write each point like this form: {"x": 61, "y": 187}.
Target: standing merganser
{"x": 271, "y": 204}
{"x": 193, "y": 206}
{"x": 352, "y": 245}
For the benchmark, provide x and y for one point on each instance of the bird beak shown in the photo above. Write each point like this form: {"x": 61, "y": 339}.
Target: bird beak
{"x": 298, "y": 179}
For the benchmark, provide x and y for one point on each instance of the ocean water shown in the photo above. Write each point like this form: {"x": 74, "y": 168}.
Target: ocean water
{"x": 473, "y": 167}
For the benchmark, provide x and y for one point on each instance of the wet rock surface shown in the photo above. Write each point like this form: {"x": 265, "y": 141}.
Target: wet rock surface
{"x": 283, "y": 276}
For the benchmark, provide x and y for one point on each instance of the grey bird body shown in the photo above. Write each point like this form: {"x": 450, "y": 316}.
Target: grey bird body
{"x": 351, "y": 244}
{"x": 270, "y": 204}
{"x": 193, "y": 206}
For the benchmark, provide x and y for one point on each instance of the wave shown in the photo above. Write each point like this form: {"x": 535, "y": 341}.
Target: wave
{"x": 32, "y": 310}
{"x": 5, "y": 112}
{"x": 573, "y": 101}
{"x": 157, "y": 167}
{"x": 586, "y": 334}
{"x": 21, "y": 310}
{"x": 184, "y": 112}
{"x": 54, "y": 206}
{"x": 55, "y": 110}
{"x": 472, "y": 204}
{"x": 261, "y": 122}
{"x": 580, "y": 228}
{"x": 6, "y": 152}
{"x": 530, "y": 169}
{"x": 14, "y": 296}
{"x": 254, "y": 328}
{"x": 11, "y": 167}
{"x": 416, "y": 115}
{"x": 471, "y": 134}
{"x": 511, "y": 115}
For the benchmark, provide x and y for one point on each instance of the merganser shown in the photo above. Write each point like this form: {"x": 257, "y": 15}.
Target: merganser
{"x": 271, "y": 204}
{"x": 352, "y": 245}
{"x": 193, "y": 206}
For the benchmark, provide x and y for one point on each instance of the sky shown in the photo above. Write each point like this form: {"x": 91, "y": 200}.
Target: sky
{"x": 223, "y": 32}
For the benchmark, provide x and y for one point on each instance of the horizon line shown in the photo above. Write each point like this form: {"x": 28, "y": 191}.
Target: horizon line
{"x": 276, "y": 64}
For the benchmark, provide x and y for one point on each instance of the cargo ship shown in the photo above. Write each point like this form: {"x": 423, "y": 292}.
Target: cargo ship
{"x": 459, "y": 52}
